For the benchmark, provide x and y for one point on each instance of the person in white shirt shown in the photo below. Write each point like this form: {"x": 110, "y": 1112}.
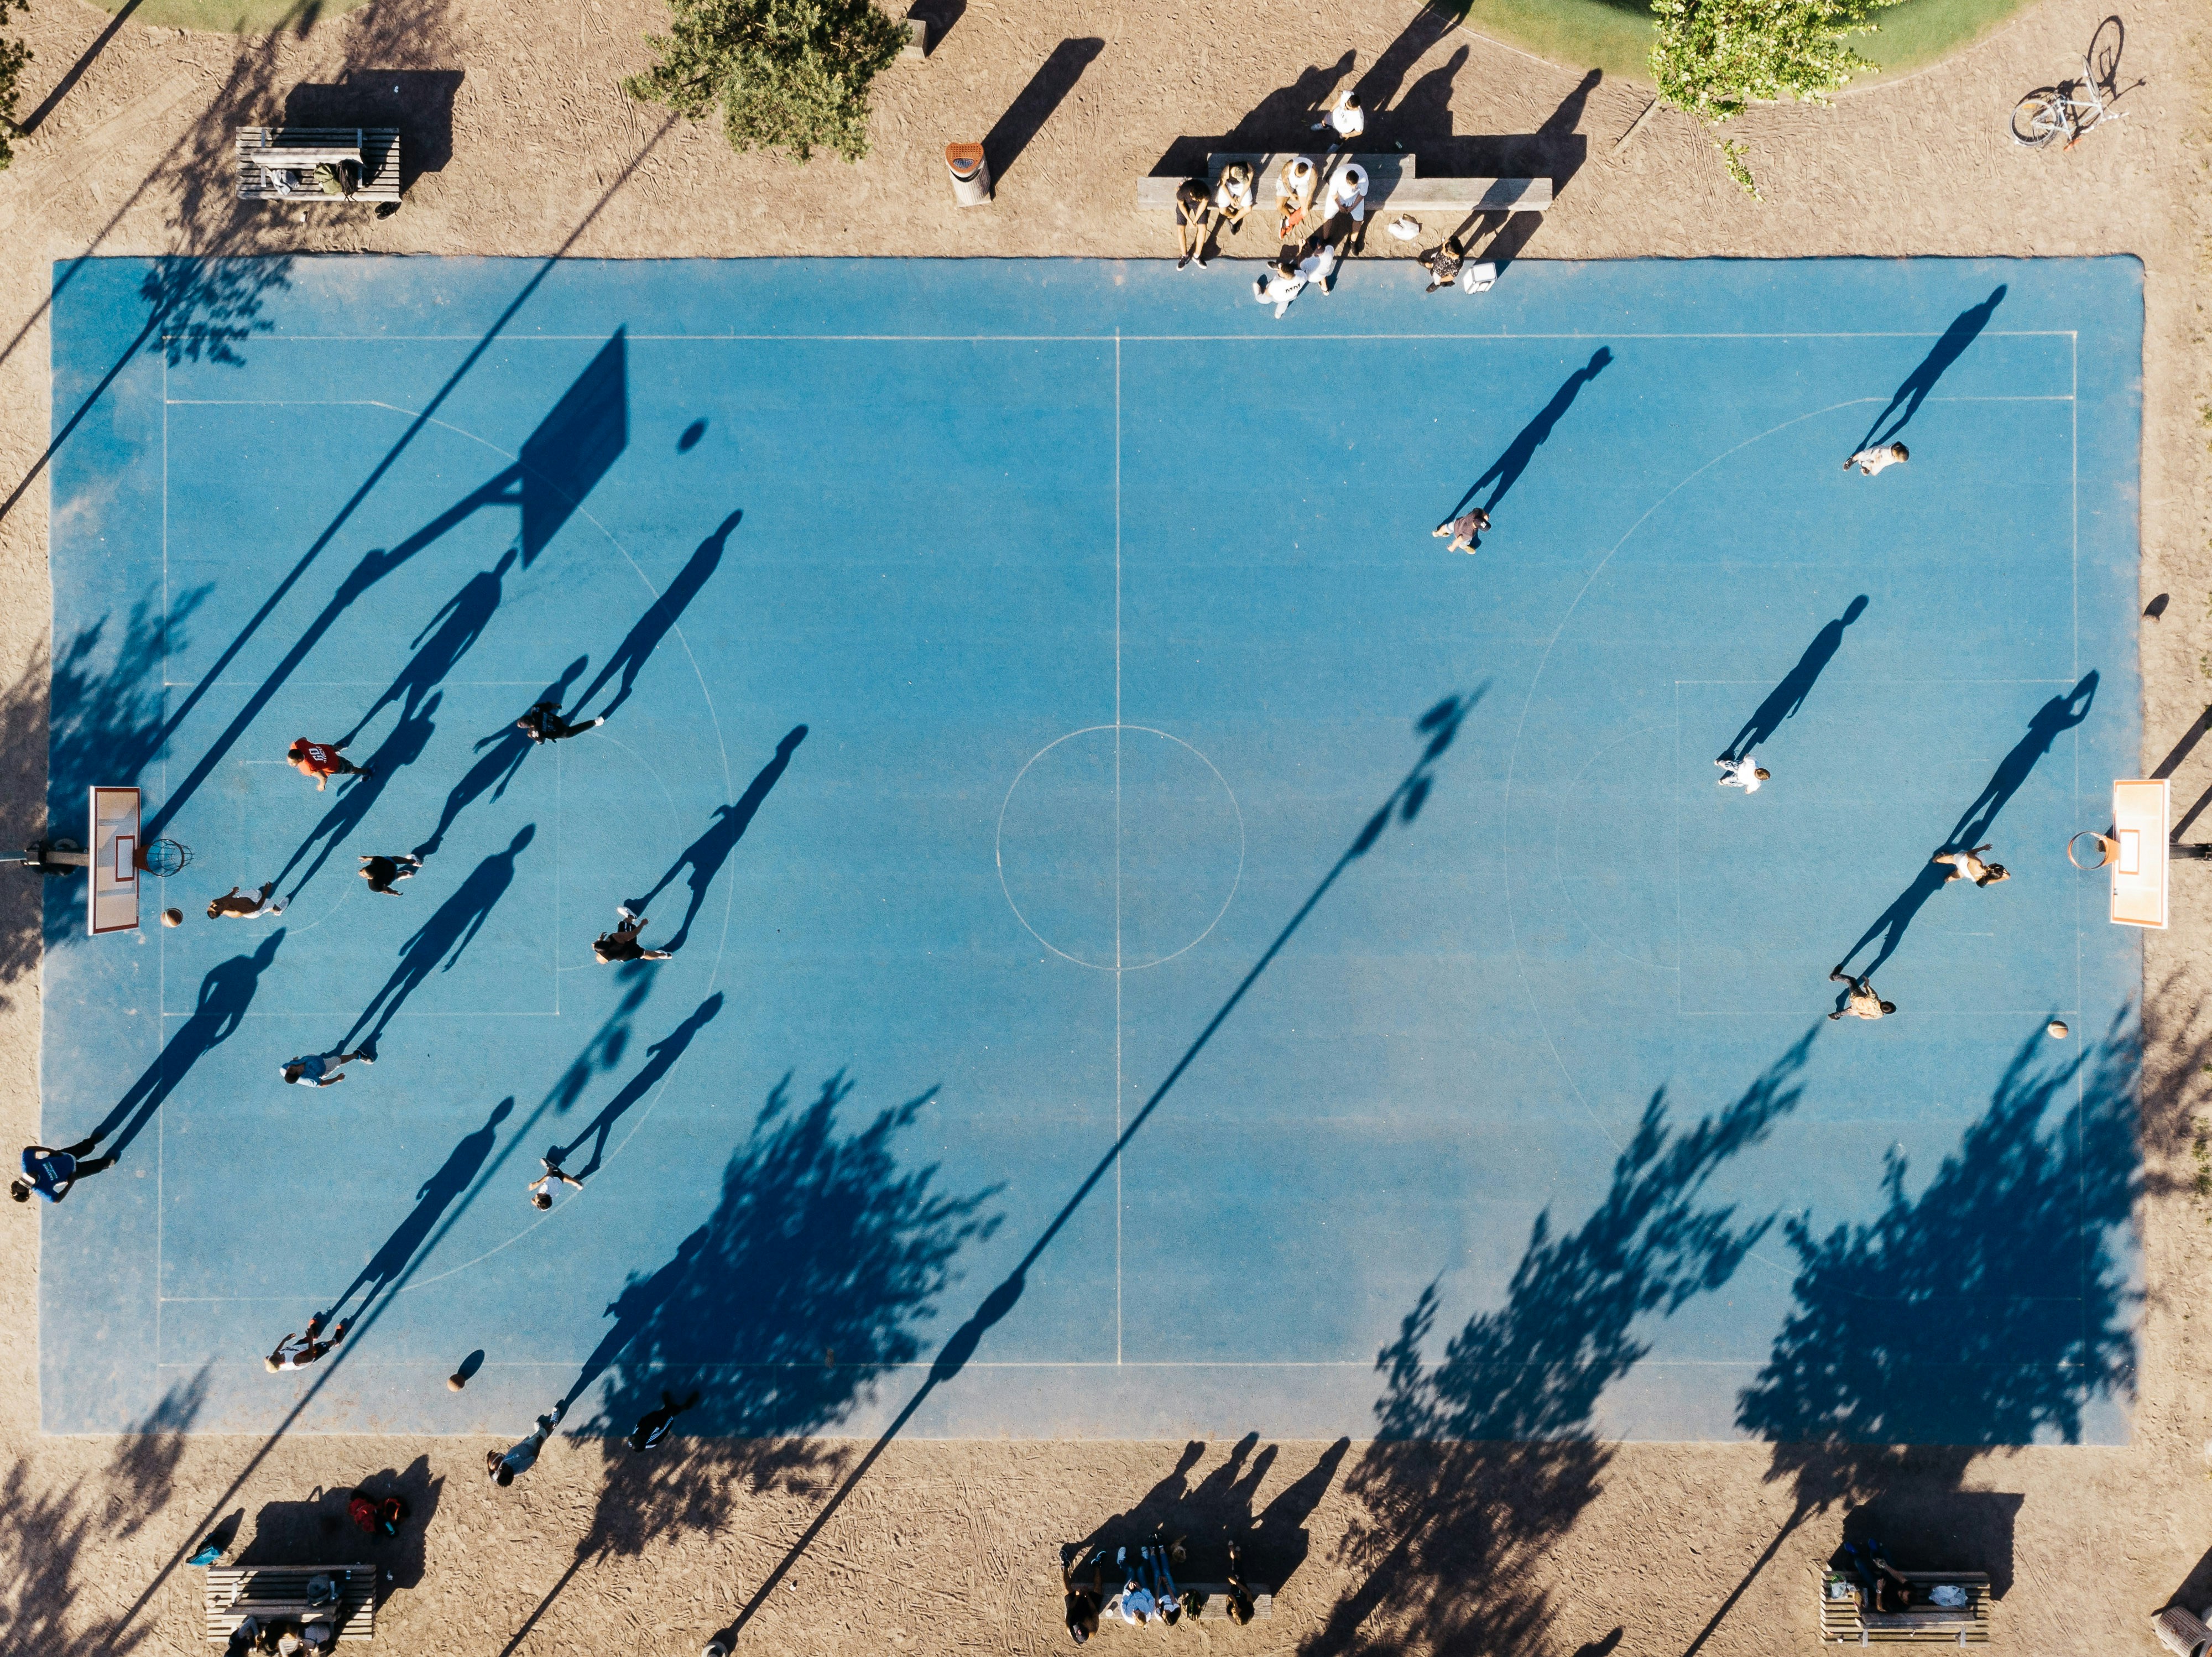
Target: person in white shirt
{"x": 1282, "y": 282}
{"x": 1345, "y": 115}
{"x": 1969, "y": 866}
{"x": 541, "y": 1189}
{"x": 1871, "y": 460}
{"x": 1232, "y": 198}
{"x": 1294, "y": 198}
{"x": 1860, "y": 1000}
{"x": 503, "y": 1469}
{"x": 297, "y": 1351}
{"x": 1741, "y": 773}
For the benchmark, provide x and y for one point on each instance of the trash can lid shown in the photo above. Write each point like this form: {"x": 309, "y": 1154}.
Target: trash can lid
{"x": 966, "y": 160}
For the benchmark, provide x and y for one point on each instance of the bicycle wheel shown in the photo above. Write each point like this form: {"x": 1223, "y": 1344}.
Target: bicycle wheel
{"x": 2039, "y": 116}
{"x": 2103, "y": 55}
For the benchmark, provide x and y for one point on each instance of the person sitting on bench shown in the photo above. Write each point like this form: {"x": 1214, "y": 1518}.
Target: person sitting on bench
{"x": 1240, "y": 1597}
{"x": 1887, "y": 1590}
{"x": 1192, "y": 222}
{"x": 1083, "y": 1602}
{"x": 1294, "y": 198}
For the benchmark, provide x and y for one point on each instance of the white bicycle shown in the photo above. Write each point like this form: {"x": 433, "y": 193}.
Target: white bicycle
{"x": 2072, "y": 107}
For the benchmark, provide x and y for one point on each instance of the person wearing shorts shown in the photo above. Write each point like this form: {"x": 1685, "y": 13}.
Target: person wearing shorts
{"x": 622, "y": 945}
{"x": 543, "y": 723}
{"x": 321, "y": 1070}
{"x": 1463, "y": 529}
{"x": 1871, "y": 460}
{"x": 51, "y": 1174}
{"x": 382, "y": 873}
{"x": 235, "y": 906}
{"x": 297, "y": 1351}
{"x": 1192, "y": 222}
{"x": 323, "y": 760}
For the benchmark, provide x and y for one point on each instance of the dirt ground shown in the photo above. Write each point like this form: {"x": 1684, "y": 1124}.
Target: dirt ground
{"x": 525, "y": 145}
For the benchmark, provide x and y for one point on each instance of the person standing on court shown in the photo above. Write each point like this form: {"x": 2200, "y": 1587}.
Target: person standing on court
{"x": 1860, "y": 1000}
{"x": 382, "y": 873}
{"x": 503, "y": 1469}
{"x": 1463, "y": 529}
{"x": 1345, "y": 115}
{"x": 321, "y": 1070}
{"x": 1741, "y": 772}
{"x": 1969, "y": 866}
{"x": 323, "y": 760}
{"x": 543, "y": 723}
{"x": 1443, "y": 264}
{"x": 54, "y": 1174}
{"x": 235, "y": 906}
{"x": 297, "y": 1351}
{"x": 1871, "y": 460}
{"x": 622, "y": 945}
{"x": 541, "y": 1189}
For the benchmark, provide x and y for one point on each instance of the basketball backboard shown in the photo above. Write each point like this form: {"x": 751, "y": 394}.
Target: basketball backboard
{"x": 2140, "y": 811}
{"x": 112, "y": 894}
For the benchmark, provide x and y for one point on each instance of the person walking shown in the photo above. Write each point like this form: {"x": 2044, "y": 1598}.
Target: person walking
{"x": 541, "y": 1189}
{"x": 1860, "y": 1000}
{"x": 1463, "y": 529}
{"x": 382, "y": 873}
{"x": 543, "y": 723}
{"x": 235, "y": 906}
{"x": 1969, "y": 866}
{"x": 1345, "y": 115}
{"x": 323, "y": 760}
{"x": 321, "y": 1070}
{"x": 297, "y": 1351}
{"x": 622, "y": 945}
{"x": 1871, "y": 460}
{"x": 52, "y": 1174}
{"x": 1741, "y": 772}
{"x": 503, "y": 1469}
{"x": 1443, "y": 264}
{"x": 653, "y": 1426}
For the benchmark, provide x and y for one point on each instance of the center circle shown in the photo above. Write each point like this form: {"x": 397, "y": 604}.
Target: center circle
{"x": 1120, "y": 846}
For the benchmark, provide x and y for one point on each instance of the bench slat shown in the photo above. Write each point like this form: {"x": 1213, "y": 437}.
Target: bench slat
{"x": 234, "y": 1592}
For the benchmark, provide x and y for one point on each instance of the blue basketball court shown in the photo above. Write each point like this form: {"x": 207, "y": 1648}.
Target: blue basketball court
{"x": 1145, "y": 911}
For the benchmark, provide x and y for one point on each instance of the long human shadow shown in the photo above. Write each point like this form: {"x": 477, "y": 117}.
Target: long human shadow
{"x": 640, "y": 643}
{"x": 1485, "y": 1457}
{"x": 810, "y": 1280}
{"x": 435, "y": 1195}
{"x": 1220, "y": 1508}
{"x": 1281, "y": 121}
{"x": 439, "y": 941}
{"x": 403, "y": 745}
{"x": 1506, "y": 470}
{"x": 1034, "y": 104}
{"x": 662, "y": 1056}
{"x": 705, "y": 855}
{"x": 1438, "y": 728}
{"x": 1554, "y": 150}
{"x": 451, "y": 633}
{"x": 225, "y": 994}
{"x": 1904, "y": 402}
{"x": 2056, "y": 717}
{"x": 503, "y": 753}
{"x": 1784, "y": 701}
{"x": 1990, "y": 1306}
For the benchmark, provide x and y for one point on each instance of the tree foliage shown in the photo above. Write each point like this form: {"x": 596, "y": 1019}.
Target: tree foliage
{"x": 14, "y": 54}
{"x": 1714, "y": 58}
{"x": 788, "y": 74}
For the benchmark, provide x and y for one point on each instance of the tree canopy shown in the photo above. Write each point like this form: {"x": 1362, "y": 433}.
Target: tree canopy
{"x": 788, "y": 74}
{"x": 14, "y": 54}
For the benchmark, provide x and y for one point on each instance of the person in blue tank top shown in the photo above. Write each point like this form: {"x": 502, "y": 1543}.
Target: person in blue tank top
{"x": 52, "y": 1173}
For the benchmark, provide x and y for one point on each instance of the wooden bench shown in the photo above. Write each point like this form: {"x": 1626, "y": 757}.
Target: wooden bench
{"x": 277, "y": 163}
{"x": 238, "y": 1592}
{"x": 1216, "y": 1608}
{"x": 1846, "y": 1622}
{"x": 1393, "y": 180}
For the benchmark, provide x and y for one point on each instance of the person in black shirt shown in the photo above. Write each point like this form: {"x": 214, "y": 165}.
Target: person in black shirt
{"x": 543, "y": 723}
{"x": 1083, "y": 1602}
{"x": 653, "y": 1427}
{"x": 1443, "y": 264}
{"x": 381, "y": 872}
{"x": 622, "y": 945}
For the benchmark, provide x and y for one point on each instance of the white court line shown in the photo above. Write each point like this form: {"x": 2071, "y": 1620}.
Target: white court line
{"x": 1262, "y": 337}
{"x": 1117, "y": 848}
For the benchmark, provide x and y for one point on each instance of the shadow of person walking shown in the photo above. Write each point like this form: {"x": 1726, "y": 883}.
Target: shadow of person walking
{"x": 432, "y": 1199}
{"x": 438, "y": 943}
{"x": 404, "y": 746}
{"x": 1784, "y": 701}
{"x": 225, "y": 994}
{"x": 1506, "y": 470}
{"x": 1963, "y": 330}
{"x": 643, "y": 639}
{"x": 503, "y": 751}
{"x": 459, "y": 623}
{"x": 661, "y": 1057}
{"x": 705, "y": 854}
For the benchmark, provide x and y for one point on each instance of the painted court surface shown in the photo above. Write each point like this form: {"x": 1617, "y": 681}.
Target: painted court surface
{"x": 1019, "y": 675}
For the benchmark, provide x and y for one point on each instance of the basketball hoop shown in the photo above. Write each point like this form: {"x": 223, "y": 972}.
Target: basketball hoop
{"x": 162, "y": 858}
{"x": 2100, "y": 851}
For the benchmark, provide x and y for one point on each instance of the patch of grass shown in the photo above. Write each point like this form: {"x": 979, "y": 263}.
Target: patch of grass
{"x": 234, "y": 17}
{"x": 1615, "y": 35}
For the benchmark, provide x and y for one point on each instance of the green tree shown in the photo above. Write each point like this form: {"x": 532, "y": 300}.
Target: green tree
{"x": 14, "y": 54}
{"x": 1714, "y": 58}
{"x": 788, "y": 74}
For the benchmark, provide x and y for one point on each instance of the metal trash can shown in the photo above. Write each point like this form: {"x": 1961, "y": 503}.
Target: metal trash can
{"x": 2182, "y": 1633}
{"x": 971, "y": 174}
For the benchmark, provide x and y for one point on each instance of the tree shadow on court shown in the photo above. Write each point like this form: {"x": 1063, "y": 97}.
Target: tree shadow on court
{"x": 225, "y": 994}
{"x": 451, "y": 633}
{"x": 661, "y": 1057}
{"x": 1784, "y": 701}
{"x": 53, "y": 1594}
{"x": 1486, "y": 1457}
{"x": 403, "y": 745}
{"x": 438, "y": 942}
{"x": 1904, "y": 402}
{"x": 318, "y": 1530}
{"x": 432, "y": 1198}
{"x": 1221, "y": 1508}
{"x": 1506, "y": 470}
{"x": 503, "y": 753}
{"x": 660, "y": 616}
{"x": 814, "y": 1276}
{"x": 2051, "y": 721}
{"x": 705, "y": 855}
{"x": 1989, "y": 1305}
